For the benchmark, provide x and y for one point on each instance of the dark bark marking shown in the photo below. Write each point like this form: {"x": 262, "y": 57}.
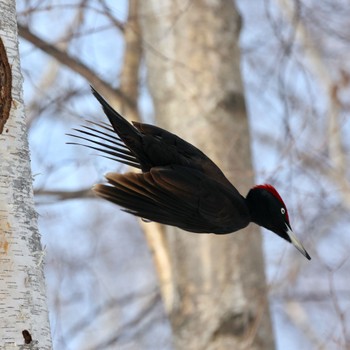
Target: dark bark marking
{"x": 27, "y": 337}
{"x": 5, "y": 87}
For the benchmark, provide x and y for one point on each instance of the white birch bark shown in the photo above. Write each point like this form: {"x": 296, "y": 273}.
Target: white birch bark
{"x": 22, "y": 289}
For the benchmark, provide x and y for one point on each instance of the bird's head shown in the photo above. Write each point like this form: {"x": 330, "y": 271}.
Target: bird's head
{"x": 268, "y": 210}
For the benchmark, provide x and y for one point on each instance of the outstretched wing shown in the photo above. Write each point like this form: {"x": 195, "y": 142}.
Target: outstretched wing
{"x": 177, "y": 196}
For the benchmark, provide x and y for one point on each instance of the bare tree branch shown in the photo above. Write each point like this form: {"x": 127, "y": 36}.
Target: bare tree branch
{"x": 49, "y": 197}
{"x": 49, "y": 77}
{"x": 337, "y": 174}
{"x": 63, "y": 57}
{"x": 299, "y": 317}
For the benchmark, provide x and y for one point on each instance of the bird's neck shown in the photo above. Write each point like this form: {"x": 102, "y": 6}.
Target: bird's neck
{"x": 253, "y": 207}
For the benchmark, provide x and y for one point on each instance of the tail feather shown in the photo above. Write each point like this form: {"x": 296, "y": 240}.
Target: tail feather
{"x": 109, "y": 144}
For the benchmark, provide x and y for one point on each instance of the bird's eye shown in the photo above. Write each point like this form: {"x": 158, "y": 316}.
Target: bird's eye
{"x": 283, "y": 211}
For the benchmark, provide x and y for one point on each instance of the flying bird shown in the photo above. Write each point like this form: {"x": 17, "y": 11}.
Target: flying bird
{"x": 178, "y": 184}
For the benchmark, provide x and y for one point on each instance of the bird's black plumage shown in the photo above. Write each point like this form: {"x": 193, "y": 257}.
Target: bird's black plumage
{"x": 179, "y": 185}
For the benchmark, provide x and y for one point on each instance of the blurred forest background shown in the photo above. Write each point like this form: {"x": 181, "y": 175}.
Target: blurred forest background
{"x": 102, "y": 284}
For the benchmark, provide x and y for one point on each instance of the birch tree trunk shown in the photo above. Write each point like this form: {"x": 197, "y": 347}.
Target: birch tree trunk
{"x": 23, "y": 308}
{"x": 217, "y": 298}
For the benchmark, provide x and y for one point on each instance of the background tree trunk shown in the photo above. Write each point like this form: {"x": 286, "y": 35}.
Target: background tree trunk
{"x": 218, "y": 296}
{"x": 23, "y": 309}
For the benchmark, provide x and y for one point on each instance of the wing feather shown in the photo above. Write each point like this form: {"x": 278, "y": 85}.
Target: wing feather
{"x": 177, "y": 196}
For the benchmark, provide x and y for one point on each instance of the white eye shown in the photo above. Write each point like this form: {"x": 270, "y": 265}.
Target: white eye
{"x": 283, "y": 211}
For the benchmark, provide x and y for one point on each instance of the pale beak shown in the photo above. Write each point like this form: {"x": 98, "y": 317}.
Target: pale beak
{"x": 296, "y": 243}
